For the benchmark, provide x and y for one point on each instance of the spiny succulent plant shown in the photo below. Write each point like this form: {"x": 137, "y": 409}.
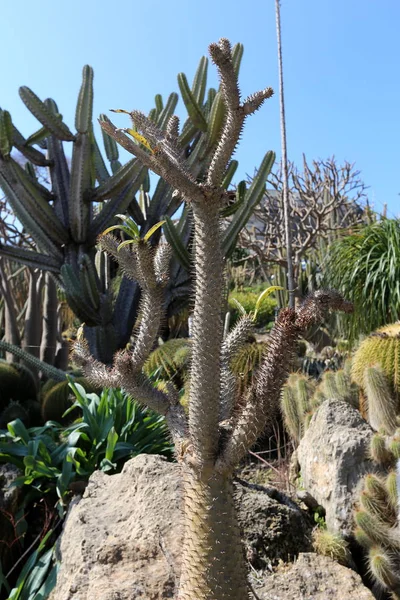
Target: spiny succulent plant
{"x": 245, "y": 362}
{"x": 64, "y": 219}
{"x": 218, "y": 431}
{"x": 296, "y": 404}
{"x": 377, "y": 529}
{"x": 302, "y": 395}
{"x": 328, "y": 543}
{"x": 381, "y": 348}
{"x": 337, "y": 385}
{"x": 381, "y": 401}
{"x": 168, "y": 359}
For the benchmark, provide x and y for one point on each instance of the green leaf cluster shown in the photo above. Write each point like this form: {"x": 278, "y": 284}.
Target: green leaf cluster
{"x": 248, "y": 299}
{"x": 112, "y": 429}
{"x": 365, "y": 266}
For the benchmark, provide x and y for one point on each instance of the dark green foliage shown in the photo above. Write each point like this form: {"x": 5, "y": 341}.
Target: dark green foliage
{"x": 14, "y": 410}
{"x": 16, "y": 383}
{"x": 57, "y": 397}
{"x": 110, "y": 429}
{"x": 365, "y": 266}
{"x": 18, "y": 394}
{"x": 38, "y": 575}
{"x": 170, "y": 361}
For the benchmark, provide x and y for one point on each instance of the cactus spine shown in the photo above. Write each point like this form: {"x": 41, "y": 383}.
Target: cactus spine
{"x": 382, "y": 405}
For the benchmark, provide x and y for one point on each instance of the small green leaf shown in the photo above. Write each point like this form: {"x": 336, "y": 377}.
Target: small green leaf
{"x": 153, "y": 230}
{"x": 18, "y": 430}
{"x": 267, "y": 292}
{"x": 112, "y": 439}
{"x": 127, "y": 243}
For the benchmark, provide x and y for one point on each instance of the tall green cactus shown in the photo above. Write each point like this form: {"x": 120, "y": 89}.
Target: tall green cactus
{"x": 66, "y": 220}
{"x": 219, "y": 429}
{"x": 302, "y": 396}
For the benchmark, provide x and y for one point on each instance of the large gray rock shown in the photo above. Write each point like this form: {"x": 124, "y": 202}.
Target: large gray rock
{"x": 313, "y": 577}
{"x": 123, "y": 539}
{"x": 333, "y": 459}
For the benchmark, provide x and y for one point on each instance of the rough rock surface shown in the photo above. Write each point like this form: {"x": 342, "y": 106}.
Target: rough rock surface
{"x": 313, "y": 577}
{"x": 333, "y": 459}
{"x": 123, "y": 539}
{"x": 274, "y": 528}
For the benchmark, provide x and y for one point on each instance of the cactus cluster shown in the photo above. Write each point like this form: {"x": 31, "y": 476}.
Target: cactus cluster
{"x": 84, "y": 198}
{"x": 378, "y": 516}
{"x": 382, "y": 348}
{"x": 302, "y": 395}
{"x": 377, "y": 529}
{"x": 376, "y": 369}
{"x": 297, "y": 404}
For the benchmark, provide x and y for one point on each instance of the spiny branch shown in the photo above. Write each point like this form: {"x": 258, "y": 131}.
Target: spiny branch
{"x": 262, "y": 399}
{"x": 221, "y": 54}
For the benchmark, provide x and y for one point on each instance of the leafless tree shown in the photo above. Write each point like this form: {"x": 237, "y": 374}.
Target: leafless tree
{"x": 324, "y": 200}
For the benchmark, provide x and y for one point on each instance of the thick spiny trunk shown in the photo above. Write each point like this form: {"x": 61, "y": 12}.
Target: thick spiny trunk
{"x": 213, "y": 562}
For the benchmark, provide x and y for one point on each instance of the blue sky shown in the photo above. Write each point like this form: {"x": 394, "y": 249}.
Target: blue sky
{"x": 341, "y": 66}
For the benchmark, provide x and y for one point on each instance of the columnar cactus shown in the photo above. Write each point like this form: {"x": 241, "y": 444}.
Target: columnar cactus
{"x": 64, "y": 220}
{"x": 218, "y": 430}
{"x": 302, "y": 396}
{"x": 296, "y": 404}
{"x": 377, "y": 529}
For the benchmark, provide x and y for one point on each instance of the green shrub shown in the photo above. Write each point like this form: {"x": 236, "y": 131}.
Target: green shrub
{"x": 248, "y": 298}
{"x": 111, "y": 429}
